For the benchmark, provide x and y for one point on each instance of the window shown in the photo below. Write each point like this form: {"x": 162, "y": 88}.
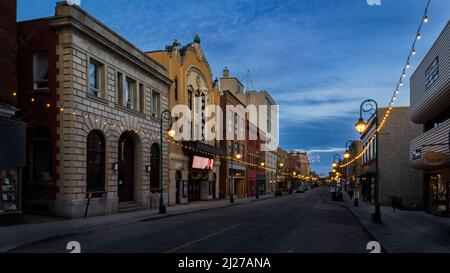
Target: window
{"x": 141, "y": 97}
{"x": 175, "y": 91}
{"x": 236, "y": 125}
{"x": 130, "y": 93}
{"x": 95, "y": 165}
{"x": 230, "y": 122}
{"x": 40, "y": 66}
{"x": 438, "y": 120}
{"x": 119, "y": 88}
{"x": 155, "y": 104}
{"x": 95, "y": 78}
{"x": 41, "y": 156}
{"x": 190, "y": 99}
{"x": 432, "y": 73}
{"x": 242, "y": 149}
{"x": 236, "y": 149}
{"x": 230, "y": 147}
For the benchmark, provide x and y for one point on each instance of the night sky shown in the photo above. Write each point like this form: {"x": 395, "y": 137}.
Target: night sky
{"x": 318, "y": 58}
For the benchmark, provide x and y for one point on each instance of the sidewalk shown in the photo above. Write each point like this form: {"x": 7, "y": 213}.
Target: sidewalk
{"x": 12, "y": 237}
{"x": 404, "y": 231}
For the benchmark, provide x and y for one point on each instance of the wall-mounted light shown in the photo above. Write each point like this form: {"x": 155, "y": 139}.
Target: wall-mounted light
{"x": 115, "y": 166}
{"x": 148, "y": 168}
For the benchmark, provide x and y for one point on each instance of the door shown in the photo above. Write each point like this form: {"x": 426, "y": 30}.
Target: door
{"x": 126, "y": 168}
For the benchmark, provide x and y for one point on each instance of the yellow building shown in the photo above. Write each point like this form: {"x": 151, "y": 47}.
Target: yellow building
{"x": 192, "y": 86}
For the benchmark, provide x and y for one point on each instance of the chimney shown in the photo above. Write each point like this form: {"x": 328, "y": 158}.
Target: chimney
{"x": 226, "y": 72}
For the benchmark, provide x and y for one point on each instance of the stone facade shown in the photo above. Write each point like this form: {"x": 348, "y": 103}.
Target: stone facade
{"x": 81, "y": 40}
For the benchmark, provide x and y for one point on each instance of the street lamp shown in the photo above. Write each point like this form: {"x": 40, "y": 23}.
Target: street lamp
{"x": 367, "y": 106}
{"x": 347, "y": 149}
{"x": 166, "y": 114}
{"x": 237, "y": 156}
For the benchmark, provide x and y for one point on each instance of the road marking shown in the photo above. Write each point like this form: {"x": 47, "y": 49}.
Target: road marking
{"x": 201, "y": 239}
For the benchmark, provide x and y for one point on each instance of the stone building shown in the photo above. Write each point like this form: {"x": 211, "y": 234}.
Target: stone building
{"x": 194, "y": 161}
{"x": 233, "y": 172}
{"x": 396, "y": 177}
{"x": 93, "y": 102}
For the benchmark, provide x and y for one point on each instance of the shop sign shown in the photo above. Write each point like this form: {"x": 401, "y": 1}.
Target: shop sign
{"x": 433, "y": 158}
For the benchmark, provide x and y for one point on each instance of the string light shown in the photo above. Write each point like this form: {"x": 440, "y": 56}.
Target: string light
{"x": 397, "y": 90}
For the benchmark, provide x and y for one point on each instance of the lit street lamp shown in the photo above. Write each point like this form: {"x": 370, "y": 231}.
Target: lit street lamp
{"x": 367, "y": 106}
{"x": 171, "y": 134}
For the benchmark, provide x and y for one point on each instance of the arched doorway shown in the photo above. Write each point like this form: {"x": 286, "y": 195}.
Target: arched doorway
{"x": 95, "y": 165}
{"x": 155, "y": 168}
{"x": 126, "y": 156}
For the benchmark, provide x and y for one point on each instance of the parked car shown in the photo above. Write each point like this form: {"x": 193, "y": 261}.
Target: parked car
{"x": 300, "y": 190}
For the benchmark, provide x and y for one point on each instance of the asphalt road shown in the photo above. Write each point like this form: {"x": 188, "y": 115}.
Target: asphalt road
{"x": 308, "y": 222}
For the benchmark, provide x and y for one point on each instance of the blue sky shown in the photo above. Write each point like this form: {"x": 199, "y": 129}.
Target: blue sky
{"x": 318, "y": 58}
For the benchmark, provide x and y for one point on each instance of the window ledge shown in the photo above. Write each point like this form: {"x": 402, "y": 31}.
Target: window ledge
{"x": 39, "y": 91}
{"x": 97, "y": 99}
{"x": 130, "y": 111}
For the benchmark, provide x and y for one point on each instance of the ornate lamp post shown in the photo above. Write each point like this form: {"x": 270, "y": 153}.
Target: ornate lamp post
{"x": 367, "y": 106}
{"x": 166, "y": 114}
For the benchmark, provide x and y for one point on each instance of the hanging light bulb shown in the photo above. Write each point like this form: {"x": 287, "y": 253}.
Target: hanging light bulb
{"x": 404, "y": 74}
{"x": 408, "y": 65}
{"x": 425, "y": 19}
{"x": 413, "y": 52}
{"x": 418, "y": 36}
{"x": 401, "y": 83}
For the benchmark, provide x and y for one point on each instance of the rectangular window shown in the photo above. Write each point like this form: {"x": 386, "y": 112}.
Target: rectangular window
{"x": 119, "y": 88}
{"x": 40, "y": 66}
{"x": 141, "y": 97}
{"x": 155, "y": 104}
{"x": 175, "y": 91}
{"x": 230, "y": 148}
{"x": 432, "y": 73}
{"x": 130, "y": 91}
{"x": 95, "y": 76}
{"x": 190, "y": 100}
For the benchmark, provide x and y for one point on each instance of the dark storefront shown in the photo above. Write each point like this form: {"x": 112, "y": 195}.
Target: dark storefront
{"x": 12, "y": 159}
{"x": 437, "y": 191}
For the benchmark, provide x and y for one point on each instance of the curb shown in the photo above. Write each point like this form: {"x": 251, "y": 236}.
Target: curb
{"x": 366, "y": 229}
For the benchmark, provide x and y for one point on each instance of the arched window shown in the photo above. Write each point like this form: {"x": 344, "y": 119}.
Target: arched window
{"x": 154, "y": 167}
{"x": 41, "y": 155}
{"x": 95, "y": 164}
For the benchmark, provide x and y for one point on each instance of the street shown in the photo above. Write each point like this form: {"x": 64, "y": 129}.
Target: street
{"x": 297, "y": 223}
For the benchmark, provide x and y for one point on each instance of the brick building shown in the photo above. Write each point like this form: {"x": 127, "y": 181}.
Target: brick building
{"x": 233, "y": 173}
{"x": 92, "y": 101}
{"x": 12, "y": 129}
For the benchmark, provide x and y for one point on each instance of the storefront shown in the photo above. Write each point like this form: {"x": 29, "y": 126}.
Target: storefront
{"x": 12, "y": 159}
{"x": 202, "y": 171}
{"x": 437, "y": 191}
